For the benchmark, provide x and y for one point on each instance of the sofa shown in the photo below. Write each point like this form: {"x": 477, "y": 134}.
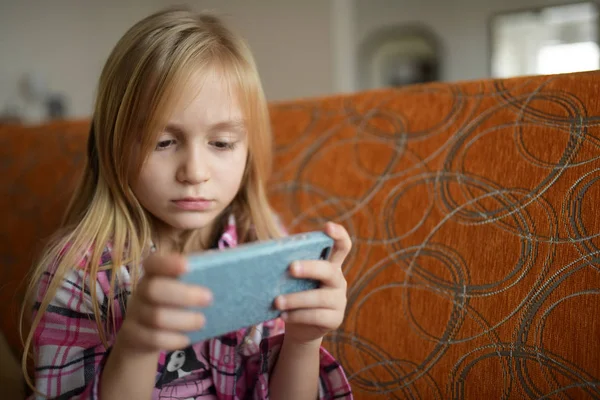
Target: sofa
{"x": 472, "y": 206}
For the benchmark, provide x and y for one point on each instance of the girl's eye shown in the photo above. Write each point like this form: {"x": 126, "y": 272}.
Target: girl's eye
{"x": 165, "y": 144}
{"x": 223, "y": 145}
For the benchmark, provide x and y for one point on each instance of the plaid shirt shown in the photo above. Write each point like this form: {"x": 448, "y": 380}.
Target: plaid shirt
{"x": 69, "y": 355}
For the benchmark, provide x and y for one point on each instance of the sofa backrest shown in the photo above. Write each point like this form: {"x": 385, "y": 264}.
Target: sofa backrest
{"x": 474, "y": 271}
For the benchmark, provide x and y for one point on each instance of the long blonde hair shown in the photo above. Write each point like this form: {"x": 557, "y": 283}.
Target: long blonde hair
{"x": 137, "y": 90}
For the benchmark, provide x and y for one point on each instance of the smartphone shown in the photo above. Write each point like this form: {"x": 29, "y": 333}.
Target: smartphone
{"x": 245, "y": 280}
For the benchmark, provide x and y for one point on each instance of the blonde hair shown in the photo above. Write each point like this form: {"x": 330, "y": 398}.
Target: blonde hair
{"x": 137, "y": 90}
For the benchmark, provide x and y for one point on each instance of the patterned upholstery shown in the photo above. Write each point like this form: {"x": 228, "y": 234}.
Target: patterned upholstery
{"x": 39, "y": 167}
{"x": 474, "y": 272}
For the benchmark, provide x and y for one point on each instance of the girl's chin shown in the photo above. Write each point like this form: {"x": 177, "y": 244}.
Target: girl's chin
{"x": 190, "y": 223}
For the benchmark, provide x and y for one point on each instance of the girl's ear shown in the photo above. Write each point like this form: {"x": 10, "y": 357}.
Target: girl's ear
{"x": 92, "y": 153}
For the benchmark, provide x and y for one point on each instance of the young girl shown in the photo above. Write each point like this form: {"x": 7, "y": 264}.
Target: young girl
{"x": 178, "y": 157}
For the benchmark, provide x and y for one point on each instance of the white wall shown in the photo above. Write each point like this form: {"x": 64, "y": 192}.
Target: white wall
{"x": 461, "y": 25}
{"x": 303, "y": 47}
{"x": 68, "y": 41}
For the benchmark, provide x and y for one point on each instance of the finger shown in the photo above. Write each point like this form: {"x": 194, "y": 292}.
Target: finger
{"x": 170, "y": 292}
{"x": 165, "y": 265}
{"x": 323, "y": 271}
{"x": 328, "y": 319}
{"x": 342, "y": 243}
{"x": 318, "y": 298}
{"x": 152, "y": 339}
{"x": 170, "y": 319}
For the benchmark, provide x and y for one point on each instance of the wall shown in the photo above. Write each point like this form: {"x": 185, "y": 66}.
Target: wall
{"x": 303, "y": 48}
{"x": 69, "y": 40}
{"x": 461, "y": 25}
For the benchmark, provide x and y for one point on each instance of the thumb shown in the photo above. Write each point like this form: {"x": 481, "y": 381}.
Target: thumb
{"x": 171, "y": 265}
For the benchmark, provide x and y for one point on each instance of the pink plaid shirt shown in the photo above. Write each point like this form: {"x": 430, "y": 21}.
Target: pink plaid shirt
{"x": 69, "y": 355}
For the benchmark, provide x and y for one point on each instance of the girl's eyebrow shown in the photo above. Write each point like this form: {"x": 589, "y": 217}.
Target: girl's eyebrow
{"x": 233, "y": 126}
{"x": 174, "y": 129}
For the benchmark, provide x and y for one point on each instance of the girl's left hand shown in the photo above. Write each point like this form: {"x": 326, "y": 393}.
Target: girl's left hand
{"x": 311, "y": 314}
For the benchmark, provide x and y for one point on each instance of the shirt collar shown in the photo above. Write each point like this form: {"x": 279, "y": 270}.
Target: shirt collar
{"x": 228, "y": 238}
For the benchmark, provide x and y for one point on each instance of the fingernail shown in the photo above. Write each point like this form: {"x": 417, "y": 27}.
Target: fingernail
{"x": 296, "y": 267}
{"x": 280, "y": 302}
{"x": 205, "y": 296}
{"x": 332, "y": 227}
{"x": 185, "y": 266}
{"x": 284, "y": 315}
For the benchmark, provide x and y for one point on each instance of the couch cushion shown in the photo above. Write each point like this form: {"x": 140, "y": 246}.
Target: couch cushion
{"x": 12, "y": 385}
{"x": 475, "y": 270}
{"x": 38, "y": 170}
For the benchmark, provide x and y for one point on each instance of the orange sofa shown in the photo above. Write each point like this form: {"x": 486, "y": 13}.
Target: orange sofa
{"x": 475, "y": 271}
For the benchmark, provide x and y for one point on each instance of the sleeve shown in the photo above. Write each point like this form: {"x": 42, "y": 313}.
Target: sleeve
{"x": 333, "y": 383}
{"x": 68, "y": 352}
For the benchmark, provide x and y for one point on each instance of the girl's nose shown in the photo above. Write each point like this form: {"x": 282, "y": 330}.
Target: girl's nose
{"x": 194, "y": 169}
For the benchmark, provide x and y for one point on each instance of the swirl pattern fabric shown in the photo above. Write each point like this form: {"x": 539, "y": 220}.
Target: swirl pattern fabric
{"x": 472, "y": 206}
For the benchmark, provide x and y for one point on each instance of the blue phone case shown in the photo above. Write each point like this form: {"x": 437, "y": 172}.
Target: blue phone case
{"x": 245, "y": 280}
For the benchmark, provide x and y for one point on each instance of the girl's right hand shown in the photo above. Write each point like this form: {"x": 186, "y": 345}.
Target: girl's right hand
{"x": 156, "y": 315}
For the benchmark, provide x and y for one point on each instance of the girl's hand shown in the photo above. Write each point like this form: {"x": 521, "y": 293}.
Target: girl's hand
{"x": 156, "y": 316}
{"x": 311, "y": 314}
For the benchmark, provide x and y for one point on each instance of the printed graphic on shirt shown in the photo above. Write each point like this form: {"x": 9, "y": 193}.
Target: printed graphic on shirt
{"x": 180, "y": 363}
{"x": 185, "y": 376}
{"x": 188, "y": 390}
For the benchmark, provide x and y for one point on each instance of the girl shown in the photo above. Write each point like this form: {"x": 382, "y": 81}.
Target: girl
{"x": 178, "y": 157}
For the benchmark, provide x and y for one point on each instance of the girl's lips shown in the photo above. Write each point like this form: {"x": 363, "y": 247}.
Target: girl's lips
{"x": 190, "y": 204}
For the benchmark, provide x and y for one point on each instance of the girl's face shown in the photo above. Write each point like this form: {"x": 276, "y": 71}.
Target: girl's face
{"x": 196, "y": 169}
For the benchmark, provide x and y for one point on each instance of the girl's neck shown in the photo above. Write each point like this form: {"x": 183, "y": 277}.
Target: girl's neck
{"x": 169, "y": 240}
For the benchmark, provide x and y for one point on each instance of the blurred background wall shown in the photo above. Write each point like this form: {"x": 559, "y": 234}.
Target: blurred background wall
{"x": 304, "y": 48}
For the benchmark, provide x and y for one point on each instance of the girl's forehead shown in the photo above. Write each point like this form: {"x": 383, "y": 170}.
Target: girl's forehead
{"x": 208, "y": 98}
